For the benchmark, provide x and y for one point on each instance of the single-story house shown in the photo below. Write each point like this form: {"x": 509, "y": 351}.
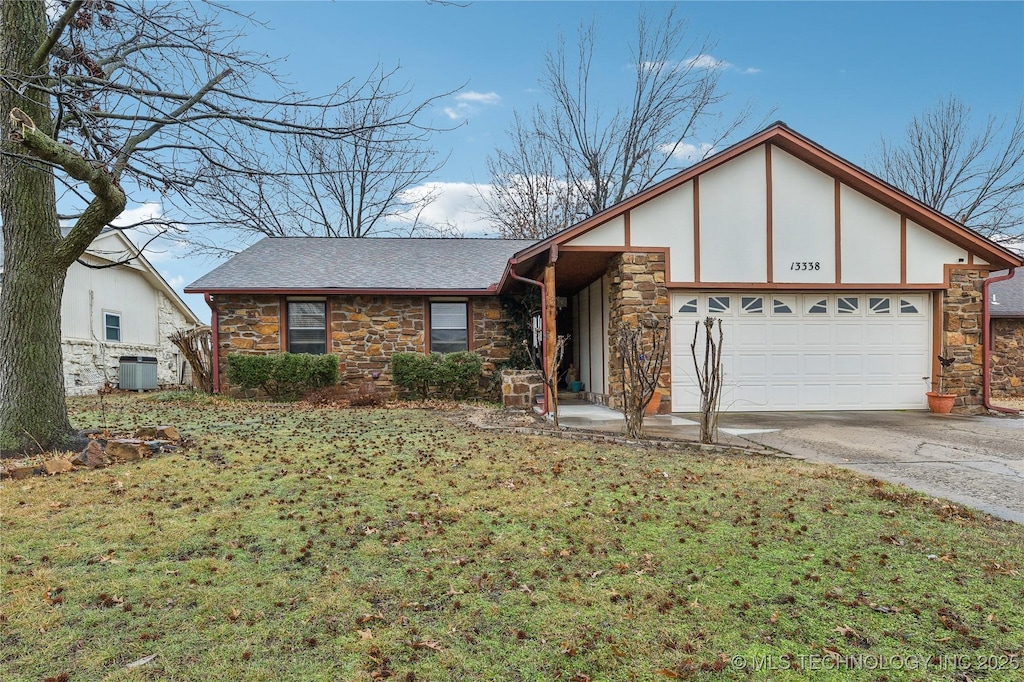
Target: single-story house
{"x": 1005, "y": 306}
{"x": 119, "y": 309}
{"x": 836, "y": 290}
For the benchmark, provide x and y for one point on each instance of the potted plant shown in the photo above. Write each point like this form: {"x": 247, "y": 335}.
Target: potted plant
{"x": 941, "y": 403}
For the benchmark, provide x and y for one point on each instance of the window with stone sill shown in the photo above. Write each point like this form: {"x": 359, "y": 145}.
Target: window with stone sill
{"x": 307, "y": 327}
{"x": 449, "y": 326}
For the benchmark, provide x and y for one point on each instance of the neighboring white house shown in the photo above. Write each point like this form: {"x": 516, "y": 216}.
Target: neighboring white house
{"x": 124, "y": 311}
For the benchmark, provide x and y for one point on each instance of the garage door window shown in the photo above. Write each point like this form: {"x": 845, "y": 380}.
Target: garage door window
{"x": 879, "y": 305}
{"x": 848, "y": 305}
{"x": 752, "y": 305}
{"x": 783, "y": 306}
{"x": 690, "y": 306}
{"x": 909, "y": 307}
{"x": 818, "y": 307}
{"x": 718, "y": 304}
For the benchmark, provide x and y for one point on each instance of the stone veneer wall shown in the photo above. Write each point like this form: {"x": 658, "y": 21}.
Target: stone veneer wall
{"x": 1007, "y": 357}
{"x": 637, "y": 293}
{"x": 520, "y": 388}
{"x": 246, "y": 323}
{"x": 89, "y": 365}
{"x": 364, "y": 331}
{"x": 962, "y": 339}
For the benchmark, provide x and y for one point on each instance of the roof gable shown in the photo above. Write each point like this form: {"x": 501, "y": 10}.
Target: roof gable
{"x": 780, "y": 137}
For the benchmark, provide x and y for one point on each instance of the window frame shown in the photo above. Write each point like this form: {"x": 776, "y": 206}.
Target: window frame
{"x": 289, "y": 327}
{"x": 468, "y": 329}
{"x": 107, "y": 327}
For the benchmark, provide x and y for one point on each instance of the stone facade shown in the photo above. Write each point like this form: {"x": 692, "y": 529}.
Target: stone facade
{"x": 1007, "y": 357}
{"x": 363, "y": 330}
{"x": 89, "y": 365}
{"x": 962, "y": 314}
{"x": 520, "y": 388}
{"x": 637, "y": 294}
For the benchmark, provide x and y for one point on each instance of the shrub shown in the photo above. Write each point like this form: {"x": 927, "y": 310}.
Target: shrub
{"x": 457, "y": 375}
{"x": 414, "y": 372}
{"x": 454, "y": 375}
{"x": 282, "y": 375}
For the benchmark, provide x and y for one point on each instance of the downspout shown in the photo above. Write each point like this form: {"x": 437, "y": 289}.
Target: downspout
{"x": 985, "y": 332}
{"x": 214, "y": 343}
{"x": 543, "y": 318}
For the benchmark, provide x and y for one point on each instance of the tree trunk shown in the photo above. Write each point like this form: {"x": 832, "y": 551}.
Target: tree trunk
{"x": 33, "y": 412}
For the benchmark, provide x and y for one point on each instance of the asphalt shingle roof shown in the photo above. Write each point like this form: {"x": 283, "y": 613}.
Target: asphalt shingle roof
{"x": 1006, "y": 298}
{"x": 368, "y": 263}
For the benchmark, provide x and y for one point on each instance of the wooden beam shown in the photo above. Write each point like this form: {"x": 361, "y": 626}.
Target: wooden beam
{"x": 549, "y": 312}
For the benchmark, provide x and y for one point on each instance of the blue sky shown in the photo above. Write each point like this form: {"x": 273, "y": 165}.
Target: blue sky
{"x": 843, "y": 74}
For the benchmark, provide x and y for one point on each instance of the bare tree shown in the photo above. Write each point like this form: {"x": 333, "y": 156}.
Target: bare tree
{"x": 196, "y": 345}
{"x": 529, "y": 196}
{"x": 549, "y": 374}
{"x": 353, "y": 186}
{"x": 603, "y": 153}
{"x": 642, "y": 350}
{"x": 111, "y": 98}
{"x": 709, "y": 377}
{"x": 972, "y": 173}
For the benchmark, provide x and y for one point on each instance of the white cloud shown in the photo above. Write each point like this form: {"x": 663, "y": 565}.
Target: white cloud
{"x": 688, "y": 153}
{"x": 708, "y": 62}
{"x": 147, "y": 221}
{"x": 176, "y": 282}
{"x": 469, "y": 103}
{"x": 457, "y": 204}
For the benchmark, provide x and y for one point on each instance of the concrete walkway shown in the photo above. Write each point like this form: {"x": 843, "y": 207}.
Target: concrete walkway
{"x": 974, "y": 461}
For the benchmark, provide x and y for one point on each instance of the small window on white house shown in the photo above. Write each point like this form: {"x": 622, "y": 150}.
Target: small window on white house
{"x": 449, "y": 331}
{"x": 879, "y": 305}
{"x": 819, "y": 307}
{"x": 752, "y": 305}
{"x": 112, "y": 327}
{"x": 848, "y": 305}
{"x": 718, "y": 304}
{"x": 307, "y": 327}
{"x": 689, "y": 307}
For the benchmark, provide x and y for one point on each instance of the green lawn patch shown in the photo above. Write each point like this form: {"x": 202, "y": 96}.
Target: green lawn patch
{"x": 293, "y": 543}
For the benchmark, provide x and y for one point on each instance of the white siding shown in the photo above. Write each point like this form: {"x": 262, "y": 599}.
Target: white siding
{"x": 88, "y": 293}
{"x": 803, "y": 221}
{"x": 611, "y": 233}
{"x": 870, "y": 239}
{"x": 927, "y": 252}
{"x": 583, "y": 358}
{"x": 667, "y": 221}
{"x": 733, "y": 224}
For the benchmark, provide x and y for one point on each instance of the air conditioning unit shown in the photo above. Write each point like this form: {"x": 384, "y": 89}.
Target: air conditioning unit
{"x": 137, "y": 373}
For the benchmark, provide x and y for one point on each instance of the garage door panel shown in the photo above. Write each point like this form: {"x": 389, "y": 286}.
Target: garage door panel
{"x": 847, "y": 365}
{"x": 811, "y": 351}
{"x": 817, "y": 365}
{"x": 785, "y": 366}
{"x": 818, "y": 334}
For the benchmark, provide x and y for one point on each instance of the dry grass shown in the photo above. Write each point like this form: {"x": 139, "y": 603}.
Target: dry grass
{"x": 299, "y": 543}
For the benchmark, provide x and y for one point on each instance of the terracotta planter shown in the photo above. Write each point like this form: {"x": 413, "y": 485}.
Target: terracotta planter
{"x": 940, "y": 403}
{"x": 653, "y": 405}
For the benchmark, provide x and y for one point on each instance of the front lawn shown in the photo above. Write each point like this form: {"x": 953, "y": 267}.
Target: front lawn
{"x": 293, "y": 543}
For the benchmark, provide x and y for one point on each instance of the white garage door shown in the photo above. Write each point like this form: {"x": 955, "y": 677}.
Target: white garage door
{"x": 824, "y": 351}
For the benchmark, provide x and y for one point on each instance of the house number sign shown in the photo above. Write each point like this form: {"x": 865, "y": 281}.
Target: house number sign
{"x": 805, "y": 265}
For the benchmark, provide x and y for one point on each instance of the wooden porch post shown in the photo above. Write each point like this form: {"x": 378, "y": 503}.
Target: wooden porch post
{"x": 550, "y": 310}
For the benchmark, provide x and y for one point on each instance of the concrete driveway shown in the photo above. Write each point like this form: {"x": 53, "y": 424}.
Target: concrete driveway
{"x": 975, "y": 461}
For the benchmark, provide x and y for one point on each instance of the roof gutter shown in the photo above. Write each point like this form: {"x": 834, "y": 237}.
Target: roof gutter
{"x": 513, "y": 262}
{"x": 214, "y": 342}
{"x": 986, "y": 324}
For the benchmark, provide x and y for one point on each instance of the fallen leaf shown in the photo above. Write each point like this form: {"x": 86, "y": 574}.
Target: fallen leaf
{"x": 142, "y": 661}
{"x": 365, "y": 634}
